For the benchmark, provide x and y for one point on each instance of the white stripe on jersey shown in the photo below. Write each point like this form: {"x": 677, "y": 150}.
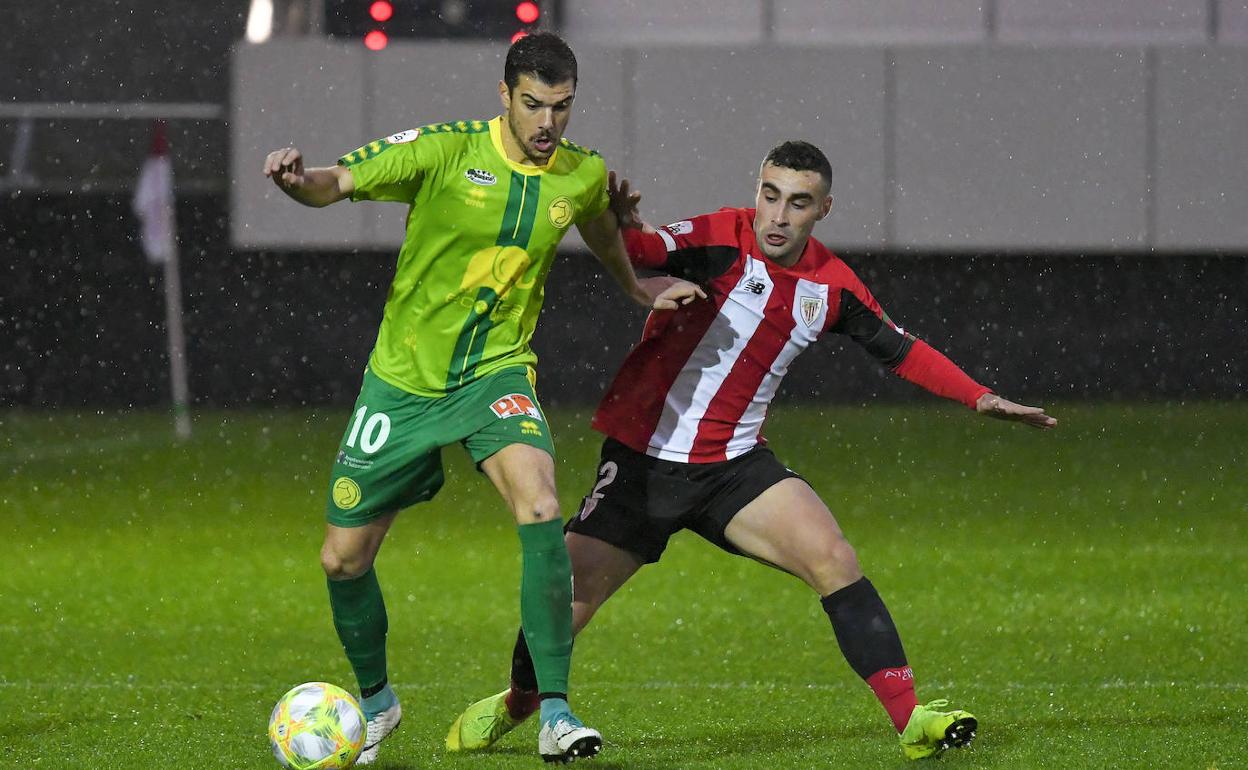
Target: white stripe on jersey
{"x": 806, "y": 295}
{"x": 668, "y": 240}
{"x": 709, "y": 364}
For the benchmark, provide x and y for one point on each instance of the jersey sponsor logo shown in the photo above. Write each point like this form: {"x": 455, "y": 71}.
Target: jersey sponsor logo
{"x": 683, "y": 227}
{"x": 810, "y": 307}
{"x": 403, "y": 137}
{"x": 755, "y": 286}
{"x": 515, "y": 405}
{"x": 346, "y": 493}
{"x": 481, "y": 177}
{"x": 561, "y": 211}
{"x": 530, "y": 428}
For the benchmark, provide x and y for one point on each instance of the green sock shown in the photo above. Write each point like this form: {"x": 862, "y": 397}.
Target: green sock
{"x": 360, "y": 619}
{"x": 546, "y": 603}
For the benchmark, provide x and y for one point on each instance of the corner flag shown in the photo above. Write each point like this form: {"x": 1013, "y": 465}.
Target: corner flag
{"x": 153, "y": 201}
{"x": 154, "y": 204}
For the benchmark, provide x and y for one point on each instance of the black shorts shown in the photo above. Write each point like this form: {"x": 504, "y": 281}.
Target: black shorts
{"x": 639, "y": 502}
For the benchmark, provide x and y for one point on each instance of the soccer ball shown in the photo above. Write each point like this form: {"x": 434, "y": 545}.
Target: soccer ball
{"x": 317, "y": 726}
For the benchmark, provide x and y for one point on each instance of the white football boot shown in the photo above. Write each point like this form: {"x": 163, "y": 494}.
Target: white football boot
{"x": 379, "y": 728}
{"x": 566, "y": 740}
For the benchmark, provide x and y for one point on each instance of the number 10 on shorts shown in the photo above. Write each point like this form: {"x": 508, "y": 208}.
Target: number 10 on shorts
{"x": 372, "y": 432}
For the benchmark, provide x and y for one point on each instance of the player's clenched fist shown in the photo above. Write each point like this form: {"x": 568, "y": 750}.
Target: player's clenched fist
{"x": 285, "y": 167}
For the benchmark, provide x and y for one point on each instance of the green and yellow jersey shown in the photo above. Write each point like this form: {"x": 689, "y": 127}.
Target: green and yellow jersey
{"x": 481, "y": 237}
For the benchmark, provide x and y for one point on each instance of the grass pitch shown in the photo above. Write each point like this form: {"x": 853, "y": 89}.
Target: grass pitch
{"x": 1081, "y": 591}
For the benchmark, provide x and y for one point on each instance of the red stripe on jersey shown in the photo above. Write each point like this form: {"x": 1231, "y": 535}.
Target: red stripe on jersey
{"x": 634, "y": 402}
{"x": 752, "y": 366}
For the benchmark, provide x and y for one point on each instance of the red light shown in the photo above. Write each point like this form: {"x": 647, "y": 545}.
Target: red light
{"x": 375, "y": 40}
{"x": 381, "y": 10}
{"x": 528, "y": 12}
{"x": 518, "y": 35}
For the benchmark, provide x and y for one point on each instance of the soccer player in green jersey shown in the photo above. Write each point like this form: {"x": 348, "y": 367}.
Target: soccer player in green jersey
{"x": 488, "y": 203}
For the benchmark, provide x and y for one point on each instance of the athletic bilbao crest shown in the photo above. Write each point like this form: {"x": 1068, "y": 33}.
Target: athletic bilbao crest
{"x": 515, "y": 405}
{"x": 810, "y": 307}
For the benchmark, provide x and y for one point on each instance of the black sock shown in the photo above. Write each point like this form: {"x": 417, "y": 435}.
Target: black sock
{"x": 864, "y": 629}
{"x": 523, "y": 675}
{"x": 367, "y": 691}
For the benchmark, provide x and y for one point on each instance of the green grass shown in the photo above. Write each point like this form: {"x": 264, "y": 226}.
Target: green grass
{"x": 1082, "y": 591}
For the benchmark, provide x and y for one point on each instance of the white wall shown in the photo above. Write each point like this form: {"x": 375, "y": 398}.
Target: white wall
{"x": 954, "y": 147}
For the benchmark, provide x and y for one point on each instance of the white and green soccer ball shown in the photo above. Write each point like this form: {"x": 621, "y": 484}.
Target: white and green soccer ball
{"x": 317, "y": 726}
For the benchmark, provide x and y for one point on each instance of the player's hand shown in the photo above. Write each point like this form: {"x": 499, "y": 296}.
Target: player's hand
{"x": 1003, "y": 409}
{"x": 623, "y": 201}
{"x": 285, "y": 167}
{"x": 669, "y": 293}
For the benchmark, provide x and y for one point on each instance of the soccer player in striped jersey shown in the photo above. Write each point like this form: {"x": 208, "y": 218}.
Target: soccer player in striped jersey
{"x": 488, "y": 202}
{"x": 684, "y": 447}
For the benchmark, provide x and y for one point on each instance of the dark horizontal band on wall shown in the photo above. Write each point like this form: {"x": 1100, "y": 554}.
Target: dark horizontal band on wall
{"x": 82, "y": 318}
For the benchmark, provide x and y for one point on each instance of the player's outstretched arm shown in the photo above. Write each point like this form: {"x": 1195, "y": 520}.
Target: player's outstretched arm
{"x": 1003, "y": 409}
{"x": 313, "y": 186}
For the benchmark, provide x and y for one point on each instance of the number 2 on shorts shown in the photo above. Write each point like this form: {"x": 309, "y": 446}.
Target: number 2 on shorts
{"x": 607, "y": 473}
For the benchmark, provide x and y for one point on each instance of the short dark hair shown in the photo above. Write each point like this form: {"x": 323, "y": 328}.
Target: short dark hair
{"x": 801, "y": 156}
{"x": 543, "y": 54}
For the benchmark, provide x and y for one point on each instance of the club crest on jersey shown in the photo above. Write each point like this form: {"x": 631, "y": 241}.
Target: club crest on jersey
{"x": 682, "y": 227}
{"x": 403, "y": 137}
{"x": 515, "y": 405}
{"x": 561, "y": 211}
{"x": 810, "y": 307}
{"x": 481, "y": 177}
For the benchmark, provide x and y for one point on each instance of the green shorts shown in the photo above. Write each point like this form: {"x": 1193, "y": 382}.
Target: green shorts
{"x": 391, "y": 454}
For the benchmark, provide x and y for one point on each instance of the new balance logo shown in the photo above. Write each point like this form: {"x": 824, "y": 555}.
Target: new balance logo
{"x": 755, "y": 286}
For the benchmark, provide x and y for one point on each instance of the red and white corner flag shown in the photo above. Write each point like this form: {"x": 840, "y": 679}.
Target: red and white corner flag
{"x": 154, "y": 200}
{"x": 154, "y": 204}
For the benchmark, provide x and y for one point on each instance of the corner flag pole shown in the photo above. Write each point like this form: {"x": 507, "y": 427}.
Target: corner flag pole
{"x": 154, "y": 203}
{"x": 177, "y": 347}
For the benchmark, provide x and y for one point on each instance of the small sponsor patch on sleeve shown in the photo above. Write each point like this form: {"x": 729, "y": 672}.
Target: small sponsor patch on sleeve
{"x": 683, "y": 227}
{"x": 403, "y": 137}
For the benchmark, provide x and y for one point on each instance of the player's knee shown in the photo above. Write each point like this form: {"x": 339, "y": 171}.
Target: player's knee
{"x": 539, "y": 508}
{"x": 343, "y": 566}
{"x": 836, "y": 566}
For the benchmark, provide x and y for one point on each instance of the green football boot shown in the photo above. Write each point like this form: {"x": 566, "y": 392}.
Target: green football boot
{"x": 482, "y": 724}
{"x": 930, "y": 731}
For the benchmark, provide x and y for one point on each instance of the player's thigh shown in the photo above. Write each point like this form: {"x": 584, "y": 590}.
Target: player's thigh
{"x": 511, "y": 443}
{"x": 525, "y": 477}
{"x": 633, "y": 504}
{"x": 790, "y": 527}
{"x": 389, "y": 456}
{"x": 598, "y": 570}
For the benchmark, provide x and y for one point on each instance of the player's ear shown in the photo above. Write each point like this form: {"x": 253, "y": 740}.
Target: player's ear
{"x": 504, "y": 94}
{"x": 825, "y": 207}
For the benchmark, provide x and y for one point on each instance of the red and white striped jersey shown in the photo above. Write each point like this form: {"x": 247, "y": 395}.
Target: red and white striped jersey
{"x": 697, "y": 387}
